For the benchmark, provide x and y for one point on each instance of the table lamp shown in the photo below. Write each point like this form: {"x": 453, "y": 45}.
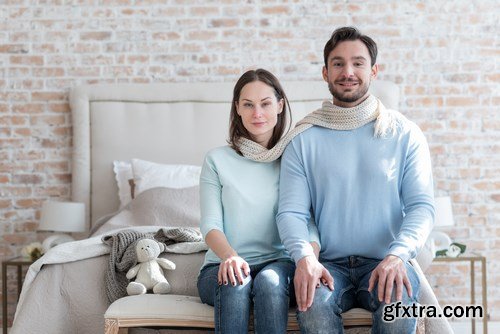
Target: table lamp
{"x": 443, "y": 217}
{"x": 61, "y": 217}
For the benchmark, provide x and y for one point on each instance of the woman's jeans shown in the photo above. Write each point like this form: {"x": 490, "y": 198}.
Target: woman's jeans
{"x": 269, "y": 287}
{"x": 351, "y": 275}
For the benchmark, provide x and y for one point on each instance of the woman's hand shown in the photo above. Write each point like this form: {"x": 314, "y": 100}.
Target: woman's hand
{"x": 233, "y": 269}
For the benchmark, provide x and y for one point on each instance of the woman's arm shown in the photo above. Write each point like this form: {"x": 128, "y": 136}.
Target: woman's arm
{"x": 212, "y": 226}
{"x": 232, "y": 268}
{"x": 218, "y": 243}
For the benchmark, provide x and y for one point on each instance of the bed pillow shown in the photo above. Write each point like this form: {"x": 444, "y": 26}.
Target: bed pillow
{"x": 159, "y": 207}
{"x": 149, "y": 175}
{"x": 123, "y": 173}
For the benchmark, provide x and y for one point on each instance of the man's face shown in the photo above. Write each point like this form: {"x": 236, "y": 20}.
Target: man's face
{"x": 349, "y": 73}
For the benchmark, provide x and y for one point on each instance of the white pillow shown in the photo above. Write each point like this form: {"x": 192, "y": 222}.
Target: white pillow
{"x": 149, "y": 175}
{"x": 123, "y": 173}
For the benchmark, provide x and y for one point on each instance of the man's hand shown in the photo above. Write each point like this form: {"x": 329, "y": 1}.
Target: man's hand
{"x": 391, "y": 270}
{"x": 232, "y": 270}
{"x": 308, "y": 274}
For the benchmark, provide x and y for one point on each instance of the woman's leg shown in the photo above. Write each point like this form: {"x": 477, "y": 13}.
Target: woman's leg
{"x": 271, "y": 297}
{"x": 207, "y": 284}
{"x": 231, "y": 303}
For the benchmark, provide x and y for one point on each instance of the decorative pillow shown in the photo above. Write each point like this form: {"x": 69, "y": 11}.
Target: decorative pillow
{"x": 158, "y": 207}
{"x": 149, "y": 175}
{"x": 123, "y": 173}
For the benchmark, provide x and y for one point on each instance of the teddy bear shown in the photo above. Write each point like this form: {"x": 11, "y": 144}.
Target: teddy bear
{"x": 148, "y": 271}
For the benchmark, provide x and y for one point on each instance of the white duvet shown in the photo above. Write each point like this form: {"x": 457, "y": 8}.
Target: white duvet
{"x": 66, "y": 253}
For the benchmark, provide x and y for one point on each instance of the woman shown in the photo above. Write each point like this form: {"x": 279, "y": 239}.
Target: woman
{"x": 246, "y": 263}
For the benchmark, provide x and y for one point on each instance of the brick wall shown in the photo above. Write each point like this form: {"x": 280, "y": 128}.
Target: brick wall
{"x": 443, "y": 54}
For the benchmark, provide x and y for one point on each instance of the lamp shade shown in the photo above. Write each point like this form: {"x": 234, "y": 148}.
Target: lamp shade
{"x": 62, "y": 217}
{"x": 444, "y": 212}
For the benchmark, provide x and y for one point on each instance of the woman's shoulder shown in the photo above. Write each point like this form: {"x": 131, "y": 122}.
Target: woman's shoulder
{"x": 223, "y": 160}
{"x": 221, "y": 154}
{"x": 221, "y": 151}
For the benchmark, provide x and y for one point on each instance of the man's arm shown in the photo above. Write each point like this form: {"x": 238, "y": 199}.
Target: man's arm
{"x": 294, "y": 205}
{"x": 314, "y": 237}
{"x": 292, "y": 219}
{"x": 417, "y": 196}
{"x": 316, "y": 248}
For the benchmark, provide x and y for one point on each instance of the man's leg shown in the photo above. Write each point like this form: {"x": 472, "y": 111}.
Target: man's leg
{"x": 271, "y": 297}
{"x": 231, "y": 303}
{"x": 324, "y": 314}
{"x": 370, "y": 302}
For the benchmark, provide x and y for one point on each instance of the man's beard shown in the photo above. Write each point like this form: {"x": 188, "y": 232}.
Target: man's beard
{"x": 343, "y": 97}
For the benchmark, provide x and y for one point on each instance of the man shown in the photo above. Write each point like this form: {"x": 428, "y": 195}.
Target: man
{"x": 367, "y": 180}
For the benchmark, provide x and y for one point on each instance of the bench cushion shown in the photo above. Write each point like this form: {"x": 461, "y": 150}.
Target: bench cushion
{"x": 189, "y": 311}
{"x": 160, "y": 306}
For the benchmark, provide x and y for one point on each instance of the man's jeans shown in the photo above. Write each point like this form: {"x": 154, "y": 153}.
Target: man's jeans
{"x": 351, "y": 276}
{"x": 268, "y": 287}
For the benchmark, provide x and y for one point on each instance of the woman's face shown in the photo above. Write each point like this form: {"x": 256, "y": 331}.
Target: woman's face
{"x": 258, "y": 108}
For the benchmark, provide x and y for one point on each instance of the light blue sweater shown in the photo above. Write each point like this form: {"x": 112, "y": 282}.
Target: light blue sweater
{"x": 370, "y": 196}
{"x": 239, "y": 197}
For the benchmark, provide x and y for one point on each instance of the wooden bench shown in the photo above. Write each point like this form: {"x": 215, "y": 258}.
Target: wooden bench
{"x": 187, "y": 312}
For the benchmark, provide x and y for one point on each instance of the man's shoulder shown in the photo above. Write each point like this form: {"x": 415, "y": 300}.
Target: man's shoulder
{"x": 408, "y": 125}
{"x": 309, "y": 133}
{"x": 403, "y": 124}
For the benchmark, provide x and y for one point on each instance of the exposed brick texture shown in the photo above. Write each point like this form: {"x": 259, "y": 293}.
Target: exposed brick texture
{"x": 443, "y": 54}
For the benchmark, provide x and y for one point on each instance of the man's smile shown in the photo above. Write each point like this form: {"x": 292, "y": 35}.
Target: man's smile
{"x": 347, "y": 83}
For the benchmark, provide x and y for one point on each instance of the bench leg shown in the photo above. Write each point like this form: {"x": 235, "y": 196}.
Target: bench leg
{"x": 111, "y": 326}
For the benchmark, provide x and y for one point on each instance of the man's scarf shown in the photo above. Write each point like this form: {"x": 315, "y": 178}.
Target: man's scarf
{"x": 332, "y": 117}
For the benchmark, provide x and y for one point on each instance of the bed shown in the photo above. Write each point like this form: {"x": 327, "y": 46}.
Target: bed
{"x": 158, "y": 123}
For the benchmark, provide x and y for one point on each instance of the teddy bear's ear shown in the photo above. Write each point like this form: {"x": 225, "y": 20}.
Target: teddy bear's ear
{"x": 162, "y": 247}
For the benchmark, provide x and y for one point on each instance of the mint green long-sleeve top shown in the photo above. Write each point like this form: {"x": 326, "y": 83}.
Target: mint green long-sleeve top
{"x": 239, "y": 197}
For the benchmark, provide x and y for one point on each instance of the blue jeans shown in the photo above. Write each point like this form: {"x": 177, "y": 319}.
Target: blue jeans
{"x": 268, "y": 287}
{"x": 351, "y": 276}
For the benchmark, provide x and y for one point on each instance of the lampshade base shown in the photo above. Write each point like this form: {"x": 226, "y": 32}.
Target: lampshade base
{"x": 438, "y": 241}
{"x": 55, "y": 240}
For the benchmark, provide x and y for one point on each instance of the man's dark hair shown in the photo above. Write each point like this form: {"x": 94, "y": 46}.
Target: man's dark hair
{"x": 350, "y": 34}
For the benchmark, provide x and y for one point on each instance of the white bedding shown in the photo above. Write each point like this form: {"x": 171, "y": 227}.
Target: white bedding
{"x": 64, "y": 253}
{"x": 86, "y": 249}
{"x": 64, "y": 292}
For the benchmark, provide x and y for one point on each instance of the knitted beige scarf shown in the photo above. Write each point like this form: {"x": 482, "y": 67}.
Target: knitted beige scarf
{"x": 332, "y": 117}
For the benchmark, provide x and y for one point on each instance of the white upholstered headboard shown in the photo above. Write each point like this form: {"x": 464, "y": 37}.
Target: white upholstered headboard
{"x": 166, "y": 123}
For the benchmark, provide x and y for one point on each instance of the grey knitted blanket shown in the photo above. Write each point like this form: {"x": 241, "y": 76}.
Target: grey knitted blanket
{"x": 123, "y": 257}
